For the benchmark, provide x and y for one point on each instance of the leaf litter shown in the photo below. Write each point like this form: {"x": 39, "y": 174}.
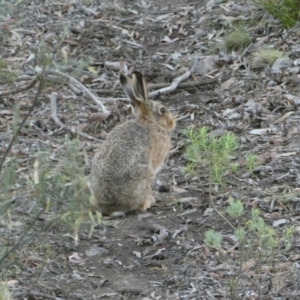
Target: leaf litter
{"x": 180, "y": 47}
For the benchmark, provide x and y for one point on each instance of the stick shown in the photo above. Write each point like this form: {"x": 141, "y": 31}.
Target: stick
{"x": 20, "y": 89}
{"x": 34, "y": 295}
{"x": 86, "y": 91}
{"x": 183, "y": 84}
{"x": 173, "y": 85}
{"x": 53, "y": 116}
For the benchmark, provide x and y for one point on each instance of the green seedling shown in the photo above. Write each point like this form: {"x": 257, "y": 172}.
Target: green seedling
{"x": 240, "y": 233}
{"x": 235, "y": 208}
{"x": 6, "y": 74}
{"x": 287, "y": 237}
{"x": 213, "y": 153}
{"x": 212, "y": 239}
{"x": 251, "y": 161}
{"x": 234, "y": 167}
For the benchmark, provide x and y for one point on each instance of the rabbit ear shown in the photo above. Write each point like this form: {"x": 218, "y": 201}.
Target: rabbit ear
{"x": 130, "y": 91}
{"x": 139, "y": 85}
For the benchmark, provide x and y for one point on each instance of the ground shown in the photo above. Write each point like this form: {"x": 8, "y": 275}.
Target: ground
{"x": 159, "y": 254}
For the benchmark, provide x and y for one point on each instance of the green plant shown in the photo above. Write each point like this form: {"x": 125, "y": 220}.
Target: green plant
{"x": 5, "y": 293}
{"x": 66, "y": 183}
{"x": 212, "y": 239}
{"x": 287, "y": 237}
{"x": 213, "y": 153}
{"x": 265, "y": 234}
{"x": 236, "y": 40}
{"x": 6, "y": 74}
{"x": 235, "y": 208}
{"x": 240, "y": 233}
{"x": 233, "y": 285}
{"x": 259, "y": 247}
{"x": 286, "y": 11}
{"x": 251, "y": 161}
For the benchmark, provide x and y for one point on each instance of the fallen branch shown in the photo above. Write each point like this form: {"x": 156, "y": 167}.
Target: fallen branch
{"x": 85, "y": 90}
{"x": 183, "y": 84}
{"x": 158, "y": 238}
{"x": 53, "y": 116}
{"x": 161, "y": 233}
{"x": 173, "y": 85}
{"x": 33, "y": 295}
{"x": 20, "y": 89}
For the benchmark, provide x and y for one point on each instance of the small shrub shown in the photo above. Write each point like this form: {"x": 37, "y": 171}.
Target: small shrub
{"x": 237, "y": 40}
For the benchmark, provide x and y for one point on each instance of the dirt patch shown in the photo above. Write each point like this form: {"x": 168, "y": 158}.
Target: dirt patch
{"x": 160, "y": 254}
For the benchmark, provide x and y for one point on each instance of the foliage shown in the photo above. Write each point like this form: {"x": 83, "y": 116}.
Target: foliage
{"x": 212, "y": 239}
{"x": 235, "y": 208}
{"x": 6, "y": 74}
{"x": 66, "y": 183}
{"x": 57, "y": 186}
{"x": 251, "y": 161}
{"x": 5, "y": 294}
{"x": 237, "y": 39}
{"x": 259, "y": 245}
{"x": 286, "y": 11}
{"x": 213, "y": 153}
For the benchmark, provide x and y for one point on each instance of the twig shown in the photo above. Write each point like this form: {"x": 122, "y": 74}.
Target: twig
{"x": 20, "y": 89}
{"x": 85, "y": 90}
{"x": 183, "y": 84}
{"x": 34, "y": 103}
{"x": 53, "y": 116}
{"x": 173, "y": 85}
{"x": 179, "y": 231}
{"x": 39, "y": 295}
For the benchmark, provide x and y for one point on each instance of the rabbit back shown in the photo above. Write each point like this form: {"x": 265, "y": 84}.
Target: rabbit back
{"x": 126, "y": 163}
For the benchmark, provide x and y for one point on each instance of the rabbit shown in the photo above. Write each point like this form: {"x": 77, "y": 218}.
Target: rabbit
{"x": 132, "y": 154}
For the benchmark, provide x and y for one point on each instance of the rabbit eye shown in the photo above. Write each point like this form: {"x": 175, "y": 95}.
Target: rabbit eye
{"x": 162, "y": 111}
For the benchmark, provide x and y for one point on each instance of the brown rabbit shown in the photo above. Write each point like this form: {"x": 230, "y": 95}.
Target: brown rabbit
{"x": 132, "y": 154}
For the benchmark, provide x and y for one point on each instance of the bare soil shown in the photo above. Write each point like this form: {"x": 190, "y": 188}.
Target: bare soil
{"x": 128, "y": 258}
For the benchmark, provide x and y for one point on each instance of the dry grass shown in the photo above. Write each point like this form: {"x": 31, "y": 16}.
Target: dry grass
{"x": 265, "y": 57}
{"x": 237, "y": 40}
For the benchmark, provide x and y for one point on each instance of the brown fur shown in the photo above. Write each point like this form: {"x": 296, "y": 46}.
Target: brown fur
{"x": 132, "y": 154}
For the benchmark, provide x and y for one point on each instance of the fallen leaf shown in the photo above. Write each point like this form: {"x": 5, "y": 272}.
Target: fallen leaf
{"x": 279, "y": 222}
{"x": 76, "y": 259}
{"x": 137, "y": 254}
